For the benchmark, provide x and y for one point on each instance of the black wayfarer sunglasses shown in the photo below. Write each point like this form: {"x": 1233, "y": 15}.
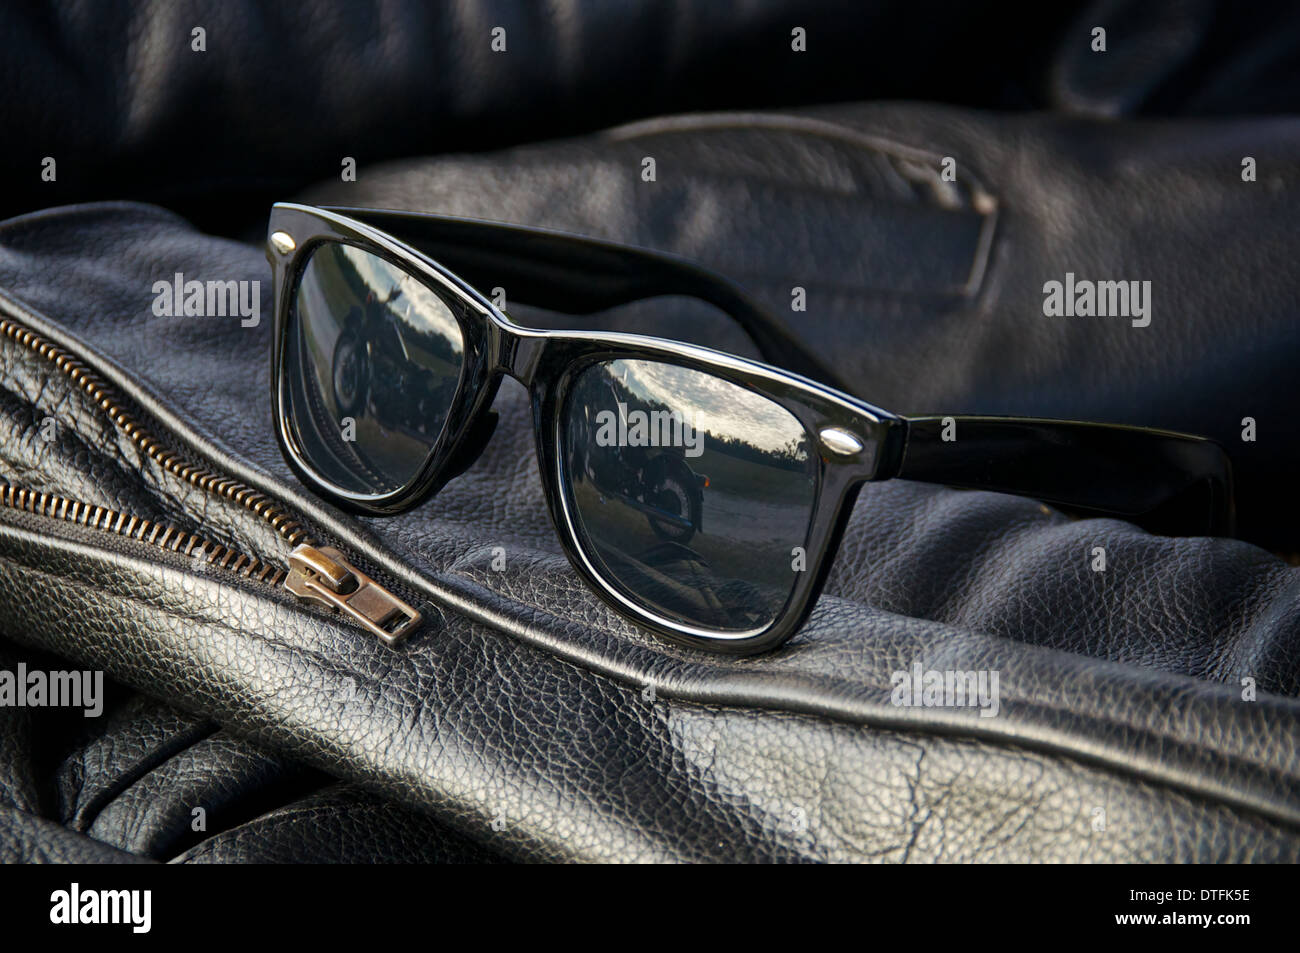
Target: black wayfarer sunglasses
{"x": 699, "y": 493}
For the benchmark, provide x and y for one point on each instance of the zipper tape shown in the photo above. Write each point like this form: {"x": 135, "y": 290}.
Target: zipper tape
{"x": 317, "y": 574}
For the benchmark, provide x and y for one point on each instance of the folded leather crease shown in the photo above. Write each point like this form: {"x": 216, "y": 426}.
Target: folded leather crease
{"x": 30, "y": 838}
{"x": 526, "y": 700}
{"x": 104, "y": 590}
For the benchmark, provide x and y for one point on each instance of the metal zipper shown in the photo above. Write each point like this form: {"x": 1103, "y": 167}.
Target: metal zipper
{"x": 315, "y": 573}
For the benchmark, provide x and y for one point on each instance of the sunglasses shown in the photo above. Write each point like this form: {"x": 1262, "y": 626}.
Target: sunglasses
{"x": 700, "y": 494}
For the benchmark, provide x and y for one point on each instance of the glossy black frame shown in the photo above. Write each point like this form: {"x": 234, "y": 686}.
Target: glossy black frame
{"x": 1175, "y": 480}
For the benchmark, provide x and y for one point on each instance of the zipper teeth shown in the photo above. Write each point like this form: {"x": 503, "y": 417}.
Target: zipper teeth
{"x": 146, "y": 531}
{"x": 99, "y": 391}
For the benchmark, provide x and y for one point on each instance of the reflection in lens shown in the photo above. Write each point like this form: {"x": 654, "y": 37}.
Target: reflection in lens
{"x": 372, "y": 362}
{"x": 691, "y": 495}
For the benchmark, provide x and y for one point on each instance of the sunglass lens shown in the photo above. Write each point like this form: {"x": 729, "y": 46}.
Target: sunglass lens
{"x": 691, "y": 496}
{"x": 372, "y": 363}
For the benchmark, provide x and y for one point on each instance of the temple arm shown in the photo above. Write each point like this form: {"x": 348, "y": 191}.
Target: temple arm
{"x": 574, "y": 274}
{"x": 1169, "y": 482}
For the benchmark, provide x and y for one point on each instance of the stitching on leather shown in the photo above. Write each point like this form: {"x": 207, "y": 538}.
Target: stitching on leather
{"x": 816, "y": 127}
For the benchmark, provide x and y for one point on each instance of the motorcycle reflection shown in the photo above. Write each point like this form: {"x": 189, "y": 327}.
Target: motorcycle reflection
{"x": 402, "y": 378}
{"x": 659, "y": 483}
{"x": 656, "y": 481}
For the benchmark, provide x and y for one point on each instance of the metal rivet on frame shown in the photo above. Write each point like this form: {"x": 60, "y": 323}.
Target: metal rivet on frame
{"x": 840, "y": 442}
{"x": 283, "y": 242}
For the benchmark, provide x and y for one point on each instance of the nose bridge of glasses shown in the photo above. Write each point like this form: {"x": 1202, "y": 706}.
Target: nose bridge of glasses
{"x": 519, "y": 353}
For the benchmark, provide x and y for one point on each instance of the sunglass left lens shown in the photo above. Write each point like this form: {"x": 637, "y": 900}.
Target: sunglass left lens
{"x": 372, "y": 362}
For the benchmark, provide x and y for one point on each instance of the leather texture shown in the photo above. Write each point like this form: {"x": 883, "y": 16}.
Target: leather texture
{"x": 147, "y": 781}
{"x": 341, "y": 823}
{"x": 120, "y": 99}
{"x": 31, "y": 839}
{"x": 118, "y": 96}
{"x": 521, "y": 718}
{"x": 526, "y": 721}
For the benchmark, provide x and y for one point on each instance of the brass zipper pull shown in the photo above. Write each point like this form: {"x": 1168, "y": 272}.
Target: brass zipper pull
{"x": 322, "y": 575}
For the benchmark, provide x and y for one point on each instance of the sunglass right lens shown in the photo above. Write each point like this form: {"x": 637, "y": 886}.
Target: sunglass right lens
{"x": 691, "y": 496}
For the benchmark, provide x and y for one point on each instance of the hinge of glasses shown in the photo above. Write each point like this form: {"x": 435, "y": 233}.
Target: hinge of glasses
{"x": 322, "y": 575}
